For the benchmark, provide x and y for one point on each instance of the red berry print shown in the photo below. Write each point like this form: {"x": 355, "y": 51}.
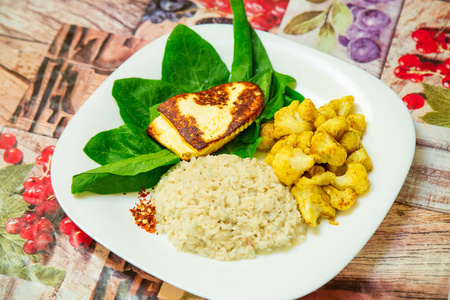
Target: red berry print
{"x": 30, "y": 217}
{"x": 80, "y": 239}
{"x": 66, "y": 226}
{"x": 7, "y": 140}
{"x": 29, "y": 247}
{"x": 43, "y": 241}
{"x": 31, "y": 182}
{"x": 47, "y": 152}
{"x": 44, "y": 225}
{"x": 35, "y": 195}
{"x": 28, "y": 232}
{"x": 409, "y": 61}
{"x": 413, "y": 101}
{"x": 14, "y": 225}
{"x": 12, "y": 155}
{"x": 48, "y": 207}
{"x": 420, "y": 35}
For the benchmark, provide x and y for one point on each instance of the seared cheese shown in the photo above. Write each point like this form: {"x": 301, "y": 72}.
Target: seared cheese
{"x": 195, "y": 124}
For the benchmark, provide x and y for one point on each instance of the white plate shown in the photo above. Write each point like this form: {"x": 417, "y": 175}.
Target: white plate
{"x": 389, "y": 140}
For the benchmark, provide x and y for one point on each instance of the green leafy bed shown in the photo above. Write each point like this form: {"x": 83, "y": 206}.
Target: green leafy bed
{"x": 131, "y": 160}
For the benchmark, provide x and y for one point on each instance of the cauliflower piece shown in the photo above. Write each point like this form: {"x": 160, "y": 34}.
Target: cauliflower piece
{"x": 287, "y": 121}
{"x": 355, "y": 178}
{"x": 341, "y": 200}
{"x": 313, "y": 203}
{"x": 357, "y": 121}
{"x": 320, "y": 178}
{"x": 360, "y": 156}
{"x": 307, "y": 111}
{"x": 342, "y": 106}
{"x": 329, "y": 150}
{"x": 338, "y": 170}
{"x": 351, "y": 141}
{"x": 335, "y": 127}
{"x": 325, "y": 112}
{"x": 304, "y": 141}
{"x": 268, "y": 137}
{"x": 315, "y": 170}
{"x": 289, "y": 140}
{"x": 290, "y": 163}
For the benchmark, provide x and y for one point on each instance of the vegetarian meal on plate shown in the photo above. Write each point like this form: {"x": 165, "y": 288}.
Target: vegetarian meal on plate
{"x": 237, "y": 162}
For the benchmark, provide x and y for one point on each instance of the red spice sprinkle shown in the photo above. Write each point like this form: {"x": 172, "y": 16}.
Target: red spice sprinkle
{"x": 144, "y": 213}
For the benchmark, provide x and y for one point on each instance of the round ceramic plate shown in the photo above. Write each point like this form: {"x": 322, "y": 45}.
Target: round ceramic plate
{"x": 389, "y": 140}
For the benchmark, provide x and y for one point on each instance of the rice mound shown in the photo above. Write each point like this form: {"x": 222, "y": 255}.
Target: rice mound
{"x": 226, "y": 208}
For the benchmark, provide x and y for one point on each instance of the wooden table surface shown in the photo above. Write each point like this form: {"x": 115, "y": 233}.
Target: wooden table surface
{"x": 55, "y": 53}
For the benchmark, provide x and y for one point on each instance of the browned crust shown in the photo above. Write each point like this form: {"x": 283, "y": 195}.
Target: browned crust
{"x": 247, "y": 107}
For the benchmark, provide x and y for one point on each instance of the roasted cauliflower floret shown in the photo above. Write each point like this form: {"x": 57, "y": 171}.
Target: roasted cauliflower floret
{"x": 287, "y": 121}
{"x": 304, "y": 141}
{"x": 355, "y": 178}
{"x": 289, "y": 140}
{"x": 329, "y": 150}
{"x": 290, "y": 163}
{"x": 341, "y": 200}
{"x": 351, "y": 141}
{"x": 338, "y": 170}
{"x": 313, "y": 203}
{"x": 335, "y": 127}
{"x": 360, "y": 156}
{"x": 324, "y": 178}
{"x": 325, "y": 112}
{"x": 357, "y": 121}
{"x": 307, "y": 111}
{"x": 268, "y": 137}
{"x": 342, "y": 106}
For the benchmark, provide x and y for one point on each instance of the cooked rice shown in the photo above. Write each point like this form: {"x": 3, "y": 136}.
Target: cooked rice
{"x": 226, "y": 208}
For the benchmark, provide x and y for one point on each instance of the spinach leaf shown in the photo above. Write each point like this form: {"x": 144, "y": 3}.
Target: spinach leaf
{"x": 262, "y": 67}
{"x": 106, "y": 183}
{"x": 126, "y": 175}
{"x": 191, "y": 62}
{"x": 291, "y": 95}
{"x": 135, "y": 96}
{"x": 241, "y": 67}
{"x": 279, "y": 83}
{"x": 119, "y": 143}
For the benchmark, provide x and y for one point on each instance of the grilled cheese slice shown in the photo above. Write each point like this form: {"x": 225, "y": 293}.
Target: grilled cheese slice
{"x": 196, "y": 124}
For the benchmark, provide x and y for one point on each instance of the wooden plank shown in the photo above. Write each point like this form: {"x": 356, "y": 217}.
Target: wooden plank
{"x": 78, "y": 60}
{"x": 21, "y": 58}
{"x": 11, "y": 86}
{"x": 408, "y": 256}
{"x": 44, "y": 18}
{"x": 83, "y": 267}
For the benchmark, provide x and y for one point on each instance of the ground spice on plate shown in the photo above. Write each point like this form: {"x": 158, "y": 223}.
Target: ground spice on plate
{"x": 144, "y": 212}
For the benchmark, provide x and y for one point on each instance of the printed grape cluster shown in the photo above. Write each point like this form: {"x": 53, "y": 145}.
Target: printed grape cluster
{"x": 362, "y": 36}
{"x": 261, "y": 14}
{"x": 415, "y": 68}
{"x": 35, "y": 225}
{"x": 173, "y": 10}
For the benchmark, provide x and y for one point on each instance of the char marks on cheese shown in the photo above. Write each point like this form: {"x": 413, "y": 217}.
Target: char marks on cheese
{"x": 207, "y": 120}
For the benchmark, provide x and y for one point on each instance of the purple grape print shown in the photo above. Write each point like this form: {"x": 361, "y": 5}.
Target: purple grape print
{"x": 354, "y": 32}
{"x": 173, "y": 10}
{"x": 372, "y": 19}
{"x": 363, "y": 50}
{"x": 343, "y": 40}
